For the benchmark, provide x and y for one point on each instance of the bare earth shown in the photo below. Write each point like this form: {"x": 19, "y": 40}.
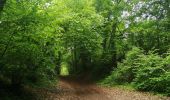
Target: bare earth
{"x": 73, "y": 90}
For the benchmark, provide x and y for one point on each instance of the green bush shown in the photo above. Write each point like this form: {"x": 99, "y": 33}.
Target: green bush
{"x": 150, "y": 67}
{"x": 125, "y": 73}
{"x": 27, "y": 64}
{"x": 147, "y": 72}
{"x": 153, "y": 74}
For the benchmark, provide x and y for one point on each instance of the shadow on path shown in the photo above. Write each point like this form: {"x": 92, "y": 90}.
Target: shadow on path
{"x": 79, "y": 89}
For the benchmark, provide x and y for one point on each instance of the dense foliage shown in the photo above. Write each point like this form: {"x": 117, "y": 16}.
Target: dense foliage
{"x": 127, "y": 41}
{"x": 149, "y": 72}
{"x": 27, "y": 49}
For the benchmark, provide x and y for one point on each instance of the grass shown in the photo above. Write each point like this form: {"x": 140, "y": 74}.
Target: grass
{"x": 122, "y": 86}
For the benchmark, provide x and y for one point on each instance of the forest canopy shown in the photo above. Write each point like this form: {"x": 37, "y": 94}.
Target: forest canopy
{"x": 121, "y": 41}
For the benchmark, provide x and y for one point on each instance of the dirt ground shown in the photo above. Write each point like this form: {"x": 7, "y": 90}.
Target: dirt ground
{"x": 77, "y": 90}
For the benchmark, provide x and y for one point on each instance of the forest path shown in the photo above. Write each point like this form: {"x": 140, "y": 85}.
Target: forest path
{"x": 69, "y": 89}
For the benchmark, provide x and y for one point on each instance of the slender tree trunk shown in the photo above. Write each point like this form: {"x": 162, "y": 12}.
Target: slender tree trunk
{"x": 113, "y": 45}
{"x": 75, "y": 58}
{"x": 112, "y": 48}
{"x": 58, "y": 64}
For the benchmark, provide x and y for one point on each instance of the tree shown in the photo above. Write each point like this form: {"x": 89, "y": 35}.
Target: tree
{"x": 28, "y": 48}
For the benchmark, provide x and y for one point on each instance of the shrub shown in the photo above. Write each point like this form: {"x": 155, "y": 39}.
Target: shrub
{"x": 153, "y": 74}
{"x": 27, "y": 64}
{"x": 125, "y": 73}
{"x": 147, "y": 72}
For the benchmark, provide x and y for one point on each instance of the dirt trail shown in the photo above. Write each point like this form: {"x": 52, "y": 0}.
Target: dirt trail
{"x": 77, "y": 90}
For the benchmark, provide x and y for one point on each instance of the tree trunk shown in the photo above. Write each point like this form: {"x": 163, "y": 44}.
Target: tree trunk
{"x": 58, "y": 63}
{"x": 112, "y": 45}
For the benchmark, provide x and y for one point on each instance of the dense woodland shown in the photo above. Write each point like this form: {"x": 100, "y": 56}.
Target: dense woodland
{"x": 116, "y": 41}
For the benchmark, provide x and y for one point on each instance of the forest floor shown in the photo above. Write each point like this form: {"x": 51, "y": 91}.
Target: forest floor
{"x": 69, "y": 89}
